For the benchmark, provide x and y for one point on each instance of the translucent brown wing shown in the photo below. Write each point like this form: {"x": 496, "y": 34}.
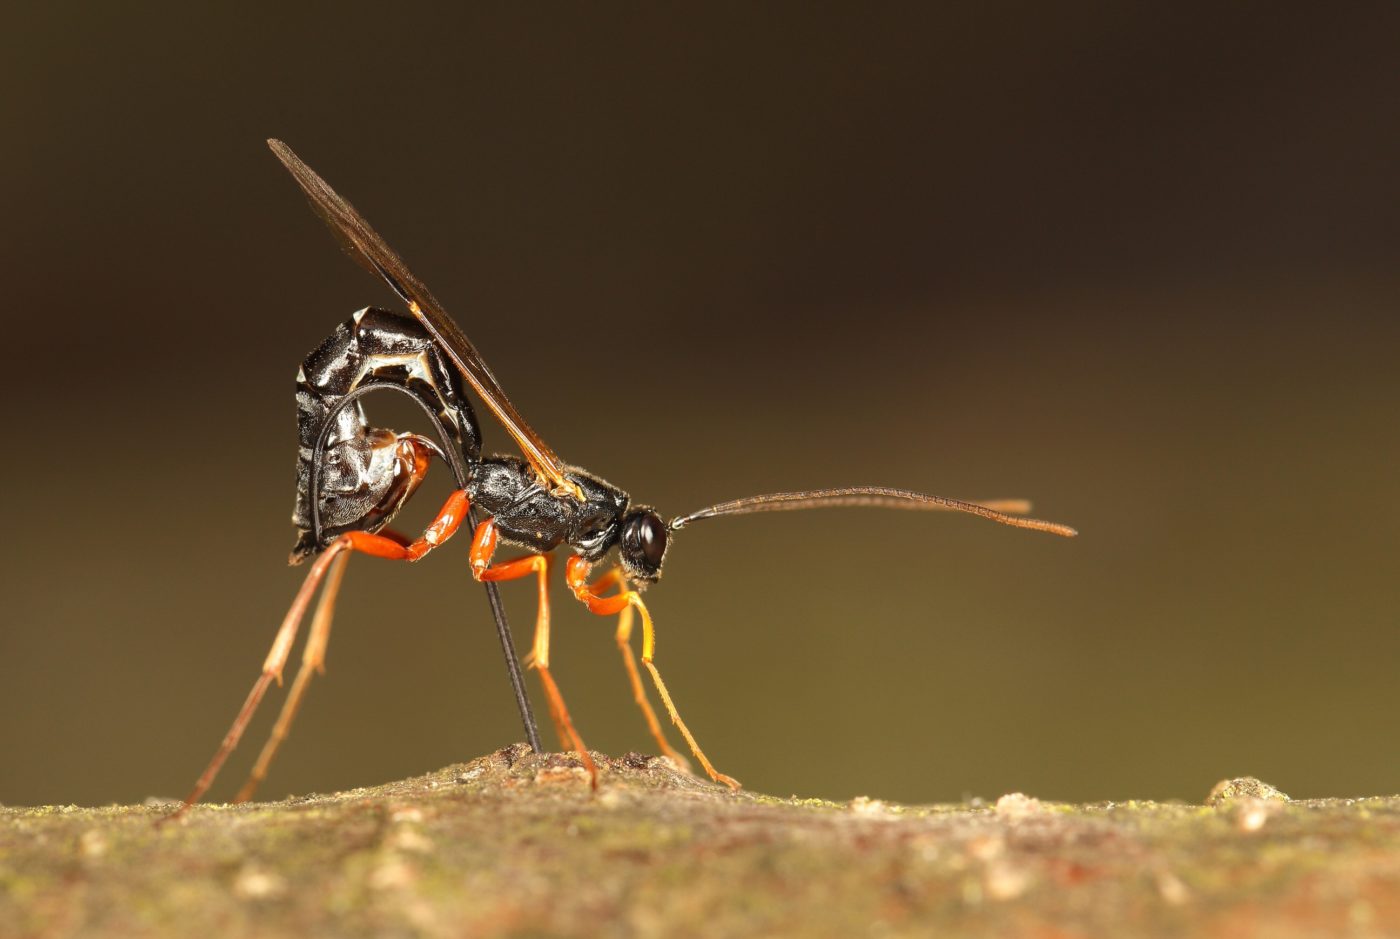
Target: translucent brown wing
{"x": 371, "y": 252}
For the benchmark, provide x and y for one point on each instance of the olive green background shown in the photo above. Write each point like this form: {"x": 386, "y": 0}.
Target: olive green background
{"x": 1138, "y": 265}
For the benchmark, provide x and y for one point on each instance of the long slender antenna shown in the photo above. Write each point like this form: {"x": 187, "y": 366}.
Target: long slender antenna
{"x": 880, "y": 497}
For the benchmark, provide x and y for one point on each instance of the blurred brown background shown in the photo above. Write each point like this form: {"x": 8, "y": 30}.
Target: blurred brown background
{"x": 1137, "y": 265}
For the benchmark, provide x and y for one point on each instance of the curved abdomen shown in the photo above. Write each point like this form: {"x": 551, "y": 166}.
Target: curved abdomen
{"x": 357, "y": 470}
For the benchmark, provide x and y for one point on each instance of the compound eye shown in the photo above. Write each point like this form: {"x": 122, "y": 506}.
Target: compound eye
{"x": 652, "y": 535}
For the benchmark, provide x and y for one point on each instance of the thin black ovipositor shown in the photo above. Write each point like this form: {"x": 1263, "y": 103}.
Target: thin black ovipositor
{"x": 456, "y": 461}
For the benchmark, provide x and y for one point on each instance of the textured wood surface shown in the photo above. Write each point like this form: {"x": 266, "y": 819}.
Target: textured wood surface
{"x": 515, "y": 844}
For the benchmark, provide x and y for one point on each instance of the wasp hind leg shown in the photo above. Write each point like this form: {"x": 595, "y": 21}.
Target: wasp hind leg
{"x": 442, "y": 528}
{"x": 483, "y": 547}
{"x": 313, "y": 660}
{"x": 576, "y": 574}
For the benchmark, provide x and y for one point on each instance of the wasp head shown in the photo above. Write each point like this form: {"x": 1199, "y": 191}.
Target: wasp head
{"x": 642, "y": 545}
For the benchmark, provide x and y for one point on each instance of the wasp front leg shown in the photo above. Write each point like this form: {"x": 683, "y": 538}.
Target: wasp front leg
{"x": 615, "y": 578}
{"x": 483, "y": 549}
{"x": 576, "y": 575}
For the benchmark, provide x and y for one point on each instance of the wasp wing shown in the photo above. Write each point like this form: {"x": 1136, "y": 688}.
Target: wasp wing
{"x": 372, "y": 253}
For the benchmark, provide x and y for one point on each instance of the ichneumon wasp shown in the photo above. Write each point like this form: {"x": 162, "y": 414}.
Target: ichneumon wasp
{"x": 352, "y": 479}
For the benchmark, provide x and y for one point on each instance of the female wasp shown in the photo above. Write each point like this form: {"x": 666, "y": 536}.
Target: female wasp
{"x": 352, "y": 479}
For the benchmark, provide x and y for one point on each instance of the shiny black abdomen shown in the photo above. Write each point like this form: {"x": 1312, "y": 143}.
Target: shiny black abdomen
{"x": 372, "y": 347}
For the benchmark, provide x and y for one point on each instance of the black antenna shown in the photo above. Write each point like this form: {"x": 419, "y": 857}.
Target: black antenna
{"x": 453, "y": 455}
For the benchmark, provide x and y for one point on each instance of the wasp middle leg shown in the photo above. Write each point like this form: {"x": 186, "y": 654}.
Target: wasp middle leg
{"x": 483, "y": 548}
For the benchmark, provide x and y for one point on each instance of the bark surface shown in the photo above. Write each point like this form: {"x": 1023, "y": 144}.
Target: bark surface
{"x": 516, "y": 844}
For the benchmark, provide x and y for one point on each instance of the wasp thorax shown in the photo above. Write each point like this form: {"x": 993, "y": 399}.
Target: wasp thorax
{"x": 643, "y": 545}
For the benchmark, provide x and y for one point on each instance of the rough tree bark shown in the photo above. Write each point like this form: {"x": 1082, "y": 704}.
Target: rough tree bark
{"x": 515, "y": 844}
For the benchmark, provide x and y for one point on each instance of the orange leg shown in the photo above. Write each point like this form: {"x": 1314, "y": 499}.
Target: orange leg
{"x": 576, "y": 575}
{"x": 483, "y": 548}
{"x": 442, "y": 528}
{"x": 615, "y": 577}
{"x": 313, "y": 659}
